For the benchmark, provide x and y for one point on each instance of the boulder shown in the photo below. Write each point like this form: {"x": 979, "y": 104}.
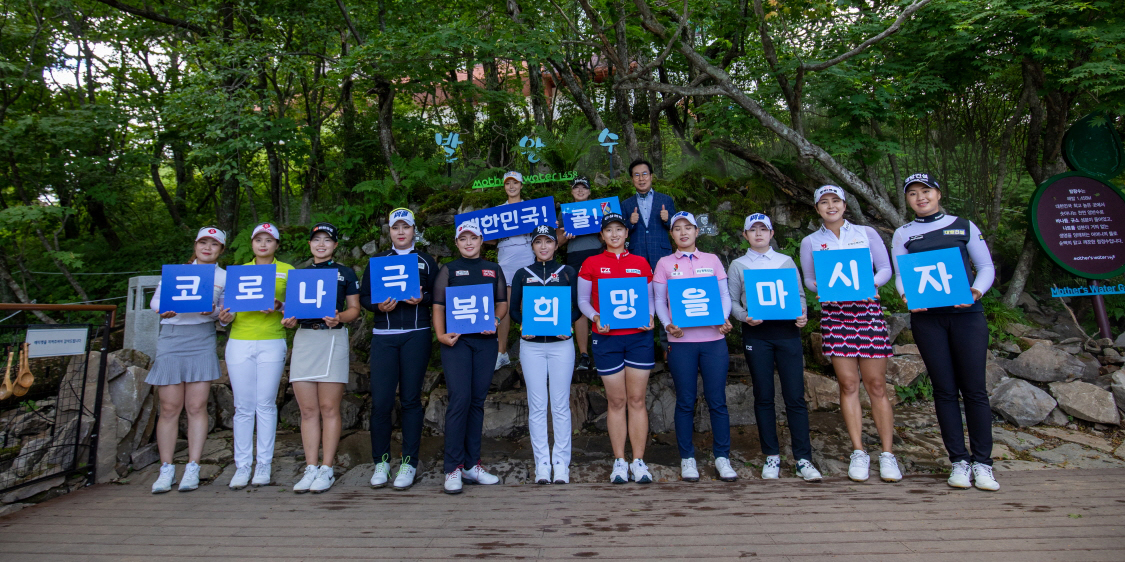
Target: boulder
{"x": 504, "y": 379}
{"x": 994, "y": 374}
{"x": 1118, "y": 389}
{"x": 224, "y": 405}
{"x": 359, "y": 378}
{"x": 1017, "y": 440}
{"x": 1045, "y": 363}
{"x": 1057, "y": 417}
{"x": 431, "y": 381}
{"x": 290, "y": 413}
{"x": 128, "y": 392}
{"x": 1110, "y": 356}
{"x": 821, "y": 392}
{"x": 131, "y": 357}
{"x": 1120, "y": 341}
{"x": 435, "y": 411}
{"x": 371, "y": 248}
{"x": 1086, "y": 401}
{"x": 350, "y": 407}
{"x": 908, "y": 349}
{"x": 579, "y": 407}
{"x": 30, "y": 454}
{"x": 660, "y": 400}
{"x": 740, "y": 408}
{"x": 896, "y": 323}
{"x": 505, "y": 414}
{"x": 816, "y": 344}
{"x": 1018, "y": 330}
{"x": 144, "y": 456}
{"x": 903, "y": 369}
{"x": 1027, "y": 302}
{"x": 33, "y": 490}
{"x": 598, "y": 403}
{"x": 1021, "y": 403}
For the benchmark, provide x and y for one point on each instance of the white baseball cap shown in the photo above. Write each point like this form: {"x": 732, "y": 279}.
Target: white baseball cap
{"x": 825, "y": 189}
{"x": 756, "y": 218}
{"x": 267, "y": 228}
{"x": 682, "y": 215}
{"x": 513, "y": 174}
{"x": 467, "y": 226}
{"x": 212, "y": 232}
{"x": 401, "y": 214}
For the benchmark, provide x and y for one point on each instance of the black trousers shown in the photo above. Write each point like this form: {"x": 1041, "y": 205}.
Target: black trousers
{"x": 788, "y": 357}
{"x": 468, "y": 373}
{"x": 954, "y": 347}
{"x": 398, "y": 362}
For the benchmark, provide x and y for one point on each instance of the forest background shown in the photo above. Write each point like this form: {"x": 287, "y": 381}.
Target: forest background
{"x": 127, "y": 124}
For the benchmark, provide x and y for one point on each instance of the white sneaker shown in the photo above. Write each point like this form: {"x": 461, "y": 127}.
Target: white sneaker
{"x": 477, "y": 475}
{"x": 262, "y": 475}
{"x": 163, "y": 483}
{"x": 190, "y": 480}
{"x": 772, "y": 469}
{"x": 382, "y": 475}
{"x": 306, "y": 480}
{"x": 620, "y": 474}
{"x": 806, "y": 470}
{"x": 405, "y": 478}
{"x": 860, "y": 468}
{"x": 562, "y": 473}
{"x": 325, "y": 478}
{"x": 453, "y": 482}
{"x": 888, "y": 468}
{"x": 688, "y": 471}
{"x": 725, "y": 470}
{"x": 641, "y": 475}
{"x": 959, "y": 476}
{"x": 241, "y": 478}
{"x": 543, "y": 474}
{"x": 502, "y": 360}
{"x": 982, "y": 474}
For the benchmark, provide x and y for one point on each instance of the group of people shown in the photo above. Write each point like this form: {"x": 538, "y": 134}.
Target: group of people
{"x": 649, "y": 240}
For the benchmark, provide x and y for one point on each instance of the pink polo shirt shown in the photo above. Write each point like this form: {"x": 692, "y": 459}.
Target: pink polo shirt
{"x": 681, "y": 266}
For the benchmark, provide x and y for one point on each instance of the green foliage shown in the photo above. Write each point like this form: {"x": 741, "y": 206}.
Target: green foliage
{"x": 999, "y": 316}
{"x": 921, "y": 390}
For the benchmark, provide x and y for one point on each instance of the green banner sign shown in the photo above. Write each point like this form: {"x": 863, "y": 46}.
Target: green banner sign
{"x": 538, "y": 178}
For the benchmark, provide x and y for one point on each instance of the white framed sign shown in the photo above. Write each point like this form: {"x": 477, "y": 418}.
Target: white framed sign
{"x": 55, "y": 342}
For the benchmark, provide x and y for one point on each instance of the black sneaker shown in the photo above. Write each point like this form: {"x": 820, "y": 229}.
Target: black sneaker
{"x": 584, "y": 362}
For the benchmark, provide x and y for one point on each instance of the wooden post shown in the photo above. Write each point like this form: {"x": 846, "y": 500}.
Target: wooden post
{"x": 1100, "y": 313}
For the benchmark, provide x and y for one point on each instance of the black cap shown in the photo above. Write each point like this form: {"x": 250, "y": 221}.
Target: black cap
{"x": 613, "y": 217}
{"x": 326, "y": 227}
{"x": 580, "y": 180}
{"x": 544, "y": 230}
{"x": 925, "y": 179}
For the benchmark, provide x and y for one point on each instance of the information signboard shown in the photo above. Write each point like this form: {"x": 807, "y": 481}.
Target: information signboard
{"x": 1080, "y": 223}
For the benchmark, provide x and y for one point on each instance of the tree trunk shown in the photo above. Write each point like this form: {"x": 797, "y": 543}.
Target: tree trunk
{"x": 385, "y": 116}
{"x": 154, "y": 169}
{"x": 17, "y": 290}
{"x": 226, "y": 212}
{"x": 1022, "y": 271}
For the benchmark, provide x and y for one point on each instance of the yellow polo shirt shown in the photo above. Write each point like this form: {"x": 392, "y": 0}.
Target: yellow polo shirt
{"x": 254, "y": 325}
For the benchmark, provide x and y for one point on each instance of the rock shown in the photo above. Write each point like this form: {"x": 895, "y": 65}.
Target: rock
{"x": 350, "y": 407}
{"x": 908, "y": 349}
{"x": 1001, "y": 452}
{"x": 1021, "y": 403}
{"x": 29, "y": 423}
{"x": 600, "y": 423}
{"x": 821, "y": 392}
{"x": 144, "y": 456}
{"x": 224, "y": 405}
{"x": 359, "y": 378}
{"x": 994, "y": 374}
{"x": 1027, "y": 302}
{"x": 30, "y": 453}
{"x": 431, "y": 381}
{"x": 1017, "y": 440}
{"x": 106, "y": 464}
{"x": 12, "y": 508}
{"x": 816, "y": 343}
{"x": 1111, "y": 356}
{"x": 661, "y": 403}
{"x": 1010, "y": 348}
{"x": 32, "y": 490}
{"x": 1118, "y": 389}
{"x": 435, "y": 411}
{"x": 896, "y": 324}
{"x": 354, "y": 449}
{"x": 1120, "y": 341}
{"x": 371, "y": 248}
{"x": 1057, "y": 417}
{"x": 1044, "y": 363}
{"x": 579, "y": 407}
{"x": 1018, "y": 330}
{"x": 505, "y": 414}
{"x": 740, "y": 408}
{"x": 132, "y": 357}
{"x": 114, "y": 367}
{"x": 1077, "y": 437}
{"x": 903, "y": 369}
{"x": 1072, "y": 455}
{"x": 128, "y": 392}
{"x": 1086, "y": 401}
{"x": 504, "y": 379}
{"x": 598, "y": 403}
{"x": 290, "y": 414}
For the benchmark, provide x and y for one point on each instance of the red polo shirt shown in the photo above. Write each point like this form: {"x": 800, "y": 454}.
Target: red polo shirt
{"x": 610, "y": 265}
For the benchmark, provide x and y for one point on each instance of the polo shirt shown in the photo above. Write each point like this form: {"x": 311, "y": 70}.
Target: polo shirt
{"x": 851, "y": 237}
{"x": 610, "y": 265}
{"x": 347, "y": 283}
{"x": 255, "y": 325}
{"x": 679, "y": 265}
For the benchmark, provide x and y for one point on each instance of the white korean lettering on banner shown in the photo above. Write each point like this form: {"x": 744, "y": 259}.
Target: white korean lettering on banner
{"x": 626, "y": 299}
{"x": 695, "y": 302}
{"x": 776, "y": 290}
{"x": 395, "y": 280}
{"x": 581, "y": 218}
{"x": 530, "y": 215}
{"x": 547, "y": 310}
{"x": 466, "y": 308}
{"x": 838, "y": 274}
{"x": 489, "y": 224}
{"x": 509, "y": 218}
{"x": 928, "y": 278}
{"x": 318, "y": 296}
{"x": 189, "y": 291}
{"x": 249, "y": 288}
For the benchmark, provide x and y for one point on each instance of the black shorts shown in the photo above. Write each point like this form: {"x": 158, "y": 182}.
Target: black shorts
{"x": 575, "y": 259}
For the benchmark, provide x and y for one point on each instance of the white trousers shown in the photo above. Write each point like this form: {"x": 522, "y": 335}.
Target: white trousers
{"x": 547, "y": 370}
{"x": 255, "y": 368}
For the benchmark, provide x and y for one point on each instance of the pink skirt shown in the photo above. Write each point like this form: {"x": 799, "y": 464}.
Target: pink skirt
{"x": 855, "y": 329}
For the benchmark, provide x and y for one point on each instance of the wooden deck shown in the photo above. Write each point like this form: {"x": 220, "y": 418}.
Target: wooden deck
{"x": 1042, "y": 515}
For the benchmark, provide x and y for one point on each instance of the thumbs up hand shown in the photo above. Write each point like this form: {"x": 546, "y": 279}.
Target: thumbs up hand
{"x": 636, "y": 216}
{"x": 663, "y": 214}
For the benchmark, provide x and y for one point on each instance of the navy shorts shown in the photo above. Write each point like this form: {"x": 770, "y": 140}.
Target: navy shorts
{"x": 614, "y": 353}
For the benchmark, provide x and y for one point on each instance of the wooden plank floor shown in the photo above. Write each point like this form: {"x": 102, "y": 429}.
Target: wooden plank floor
{"x": 1072, "y": 515}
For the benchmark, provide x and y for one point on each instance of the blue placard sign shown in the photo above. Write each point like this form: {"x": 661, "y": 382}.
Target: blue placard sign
{"x": 511, "y": 219}
{"x": 585, "y": 217}
{"x": 250, "y": 287}
{"x": 546, "y": 311}
{"x": 695, "y": 301}
{"x": 772, "y": 294}
{"x": 623, "y": 302}
{"x": 311, "y": 293}
{"x": 187, "y": 288}
{"x": 394, "y": 277}
{"x": 844, "y": 275}
{"x": 469, "y": 309}
{"x": 935, "y": 278}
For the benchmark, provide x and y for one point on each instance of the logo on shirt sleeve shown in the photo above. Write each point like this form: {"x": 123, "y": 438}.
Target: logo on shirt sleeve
{"x": 489, "y": 273}
{"x": 915, "y": 237}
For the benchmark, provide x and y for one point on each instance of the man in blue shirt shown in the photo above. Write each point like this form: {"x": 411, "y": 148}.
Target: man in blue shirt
{"x": 648, "y": 213}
